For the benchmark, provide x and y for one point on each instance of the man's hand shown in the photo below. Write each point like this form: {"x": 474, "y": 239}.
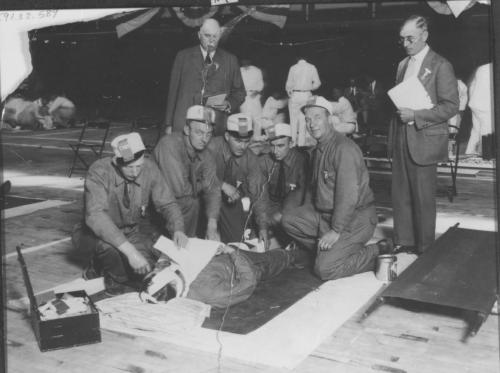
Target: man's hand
{"x": 231, "y": 192}
{"x": 224, "y": 249}
{"x": 138, "y": 263}
{"x": 406, "y": 115}
{"x": 264, "y": 236}
{"x": 212, "y": 233}
{"x": 180, "y": 239}
{"x": 276, "y": 218}
{"x": 136, "y": 260}
{"x": 328, "y": 240}
{"x": 168, "y": 130}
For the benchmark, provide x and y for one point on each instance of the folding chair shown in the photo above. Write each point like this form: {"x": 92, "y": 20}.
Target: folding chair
{"x": 149, "y": 129}
{"x": 95, "y": 144}
{"x": 453, "y": 152}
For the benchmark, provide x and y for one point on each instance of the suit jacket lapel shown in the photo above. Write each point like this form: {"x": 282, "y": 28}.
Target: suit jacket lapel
{"x": 198, "y": 57}
{"x": 426, "y": 67}
{"x": 401, "y": 70}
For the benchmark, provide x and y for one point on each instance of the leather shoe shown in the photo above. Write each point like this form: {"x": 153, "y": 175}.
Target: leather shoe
{"x": 114, "y": 288}
{"x": 298, "y": 257}
{"x": 90, "y": 272}
{"x": 385, "y": 246}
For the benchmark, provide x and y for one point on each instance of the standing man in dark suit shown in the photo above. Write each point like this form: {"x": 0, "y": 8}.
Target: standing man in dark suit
{"x": 418, "y": 139}
{"x": 199, "y": 73}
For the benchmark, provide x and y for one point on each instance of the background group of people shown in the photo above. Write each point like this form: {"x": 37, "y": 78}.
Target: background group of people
{"x": 44, "y": 113}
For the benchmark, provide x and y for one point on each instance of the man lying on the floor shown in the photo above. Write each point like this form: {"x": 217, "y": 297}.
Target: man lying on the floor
{"x": 229, "y": 278}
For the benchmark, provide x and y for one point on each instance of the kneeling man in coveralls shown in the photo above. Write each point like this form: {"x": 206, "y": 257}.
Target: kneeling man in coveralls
{"x": 241, "y": 176}
{"x": 117, "y": 192}
{"x": 338, "y": 217}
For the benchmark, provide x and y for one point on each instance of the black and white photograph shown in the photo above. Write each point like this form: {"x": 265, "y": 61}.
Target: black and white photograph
{"x": 232, "y": 186}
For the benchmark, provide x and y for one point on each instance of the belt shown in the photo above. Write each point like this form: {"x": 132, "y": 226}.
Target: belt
{"x": 301, "y": 90}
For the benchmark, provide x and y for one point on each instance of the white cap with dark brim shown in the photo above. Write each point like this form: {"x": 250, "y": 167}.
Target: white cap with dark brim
{"x": 318, "y": 101}
{"x": 240, "y": 125}
{"x": 279, "y": 130}
{"x": 127, "y": 148}
{"x": 200, "y": 113}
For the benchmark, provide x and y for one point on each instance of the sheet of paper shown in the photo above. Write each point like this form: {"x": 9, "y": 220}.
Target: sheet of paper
{"x": 191, "y": 259}
{"x": 215, "y": 100}
{"x": 410, "y": 94}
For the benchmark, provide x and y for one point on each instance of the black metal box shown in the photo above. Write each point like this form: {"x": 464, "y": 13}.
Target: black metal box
{"x": 62, "y": 332}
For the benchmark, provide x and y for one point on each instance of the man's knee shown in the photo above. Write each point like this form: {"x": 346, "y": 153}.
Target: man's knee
{"x": 289, "y": 221}
{"x": 328, "y": 271}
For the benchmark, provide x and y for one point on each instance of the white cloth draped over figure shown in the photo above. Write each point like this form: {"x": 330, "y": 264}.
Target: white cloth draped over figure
{"x": 481, "y": 104}
{"x": 302, "y": 79}
{"x": 254, "y": 84}
{"x": 343, "y": 116}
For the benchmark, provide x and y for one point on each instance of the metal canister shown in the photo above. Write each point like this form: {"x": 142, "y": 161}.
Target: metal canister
{"x": 386, "y": 267}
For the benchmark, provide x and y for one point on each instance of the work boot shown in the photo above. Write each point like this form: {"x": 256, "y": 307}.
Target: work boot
{"x": 299, "y": 258}
{"x": 5, "y": 188}
{"x": 112, "y": 288}
{"x": 407, "y": 249}
{"x": 90, "y": 272}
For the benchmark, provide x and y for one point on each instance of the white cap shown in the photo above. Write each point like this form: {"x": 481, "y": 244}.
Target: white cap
{"x": 201, "y": 114}
{"x": 128, "y": 147}
{"x": 240, "y": 125}
{"x": 279, "y": 130}
{"x": 318, "y": 101}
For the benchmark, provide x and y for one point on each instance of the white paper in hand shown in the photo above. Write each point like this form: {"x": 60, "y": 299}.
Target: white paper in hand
{"x": 216, "y": 100}
{"x": 410, "y": 94}
{"x": 193, "y": 258}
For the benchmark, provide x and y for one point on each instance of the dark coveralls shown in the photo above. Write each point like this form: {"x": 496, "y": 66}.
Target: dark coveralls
{"x": 213, "y": 284}
{"x": 287, "y": 180}
{"x": 245, "y": 174}
{"x": 111, "y": 219}
{"x": 189, "y": 174}
{"x": 342, "y": 200}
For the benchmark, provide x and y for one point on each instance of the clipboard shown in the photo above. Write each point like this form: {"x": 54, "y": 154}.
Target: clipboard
{"x": 215, "y": 100}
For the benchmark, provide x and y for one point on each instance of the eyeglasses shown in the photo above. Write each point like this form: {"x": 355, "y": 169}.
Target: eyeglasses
{"x": 409, "y": 39}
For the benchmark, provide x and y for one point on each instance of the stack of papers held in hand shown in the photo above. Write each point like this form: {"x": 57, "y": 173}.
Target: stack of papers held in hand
{"x": 410, "y": 94}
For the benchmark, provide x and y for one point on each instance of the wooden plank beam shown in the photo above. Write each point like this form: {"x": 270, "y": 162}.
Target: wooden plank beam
{"x": 87, "y": 4}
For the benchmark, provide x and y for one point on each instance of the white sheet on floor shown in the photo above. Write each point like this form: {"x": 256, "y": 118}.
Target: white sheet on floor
{"x": 288, "y": 338}
{"x": 282, "y": 342}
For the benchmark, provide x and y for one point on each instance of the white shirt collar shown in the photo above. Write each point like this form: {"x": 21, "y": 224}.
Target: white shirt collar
{"x": 419, "y": 57}
{"x": 204, "y": 53}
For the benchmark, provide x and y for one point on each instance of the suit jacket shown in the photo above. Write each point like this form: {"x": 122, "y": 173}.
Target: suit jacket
{"x": 186, "y": 83}
{"x": 428, "y": 137}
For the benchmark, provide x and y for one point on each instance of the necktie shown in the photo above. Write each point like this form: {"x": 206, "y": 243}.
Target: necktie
{"x": 192, "y": 177}
{"x": 126, "y": 197}
{"x": 208, "y": 60}
{"x": 229, "y": 176}
{"x": 281, "y": 185}
{"x": 410, "y": 69}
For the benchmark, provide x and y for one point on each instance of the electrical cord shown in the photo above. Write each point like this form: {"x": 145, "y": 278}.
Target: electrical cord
{"x": 233, "y": 265}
